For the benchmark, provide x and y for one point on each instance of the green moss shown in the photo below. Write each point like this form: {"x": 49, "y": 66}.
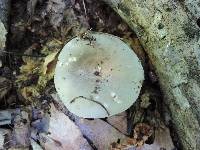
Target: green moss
{"x": 124, "y": 9}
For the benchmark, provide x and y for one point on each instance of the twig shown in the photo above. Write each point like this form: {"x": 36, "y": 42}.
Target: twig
{"x": 115, "y": 128}
{"x": 90, "y": 142}
{"x": 84, "y": 7}
{"x": 18, "y": 54}
{"x": 90, "y": 99}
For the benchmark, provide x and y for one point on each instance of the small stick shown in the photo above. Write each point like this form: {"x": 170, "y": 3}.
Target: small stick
{"x": 90, "y": 99}
{"x": 18, "y": 54}
{"x": 84, "y": 7}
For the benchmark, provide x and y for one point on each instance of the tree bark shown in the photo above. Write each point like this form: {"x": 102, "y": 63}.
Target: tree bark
{"x": 192, "y": 6}
{"x": 172, "y": 41}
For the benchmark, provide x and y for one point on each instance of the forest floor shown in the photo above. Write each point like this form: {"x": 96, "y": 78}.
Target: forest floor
{"x": 34, "y": 113}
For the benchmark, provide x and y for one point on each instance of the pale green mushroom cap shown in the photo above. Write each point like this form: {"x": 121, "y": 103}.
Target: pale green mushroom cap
{"x": 98, "y": 78}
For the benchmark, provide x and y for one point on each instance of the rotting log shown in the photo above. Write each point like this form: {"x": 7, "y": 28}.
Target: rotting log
{"x": 172, "y": 41}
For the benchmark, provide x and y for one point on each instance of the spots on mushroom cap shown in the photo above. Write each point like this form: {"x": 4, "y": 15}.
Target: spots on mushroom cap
{"x": 115, "y": 97}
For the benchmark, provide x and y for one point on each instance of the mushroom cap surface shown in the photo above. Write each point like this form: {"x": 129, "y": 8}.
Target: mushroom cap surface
{"x": 98, "y": 76}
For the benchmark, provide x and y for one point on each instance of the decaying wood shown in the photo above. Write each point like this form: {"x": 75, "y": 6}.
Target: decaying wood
{"x": 193, "y": 6}
{"x": 172, "y": 41}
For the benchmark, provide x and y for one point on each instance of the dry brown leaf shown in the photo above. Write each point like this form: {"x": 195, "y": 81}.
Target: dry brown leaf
{"x": 129, "y": 143}
{"x": 142, "y": 132}
{"x": 29, "y": 92}
{"x": 119, "y": 121}
{"x": 31, "y": 64}
{"x": 30, "y": 67}
{"x": 64, "y": 134}
{"x": 162, "y": 140}
{"x": 20, "y": 135}
{"x": 41, "y": 67}
{"x": 51, "y": 46}
{"x": 99, "y": 132}
{"x": 49, "y": 63}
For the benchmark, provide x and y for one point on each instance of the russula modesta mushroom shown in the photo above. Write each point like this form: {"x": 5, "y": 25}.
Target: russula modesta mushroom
{"x": 98, "y": 76}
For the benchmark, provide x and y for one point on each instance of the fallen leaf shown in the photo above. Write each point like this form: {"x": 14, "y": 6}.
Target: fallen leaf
{"x": 29, "y": 93}
{"x": 43, "y": 68}
{"x": 142, "y": 132}
{"x": 119, "y": 121}
{"x": 162, "y": 141}
{"x": 63, "y": 134}
{"x": 99, "y": 132}
{"x": 20, "y": 136}
{"x": 31, "y": 66}
{"x": 49, "y": 60}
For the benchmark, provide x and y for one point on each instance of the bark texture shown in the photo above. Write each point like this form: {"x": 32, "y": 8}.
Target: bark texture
{"x": 172, "y": 41}
{"x": 193, "y": 6}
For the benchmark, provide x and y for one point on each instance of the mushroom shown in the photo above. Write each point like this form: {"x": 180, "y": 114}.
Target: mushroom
{"x": 98, "y": 75}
